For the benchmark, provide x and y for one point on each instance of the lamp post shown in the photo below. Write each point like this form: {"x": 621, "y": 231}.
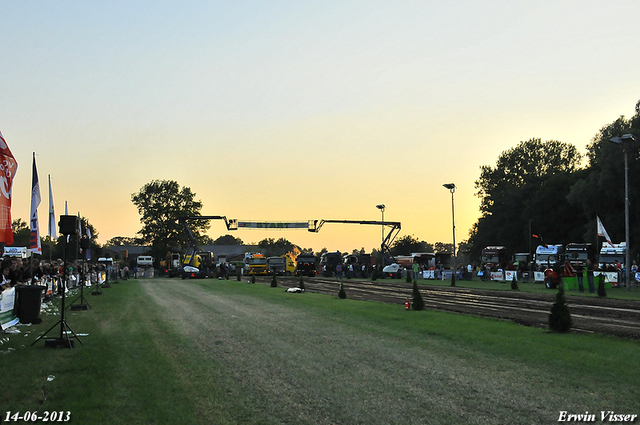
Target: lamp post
{"x": 625, "y": 140}
{"x": 381, "y": 207}
{"x": 452, "y": 189}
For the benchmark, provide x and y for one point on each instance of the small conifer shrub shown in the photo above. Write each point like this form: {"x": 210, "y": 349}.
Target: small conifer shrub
{"x": 602, "y": 293}
{"x": 418, "y": 302}
{"x": 514, "y": 283}
{"x": 253, "y": 278}
{"x": 560, "y": 317}
{"x": 342, "y": 294}
{"x": 274, "y": 281}
{"x": 301, "y": 284}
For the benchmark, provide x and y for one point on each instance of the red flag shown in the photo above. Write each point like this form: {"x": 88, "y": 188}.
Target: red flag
{"x": 8, "y": 169}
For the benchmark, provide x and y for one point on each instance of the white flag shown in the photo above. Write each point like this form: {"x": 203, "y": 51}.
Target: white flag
{"x": 53, "y": 234}
{"x": 35, "y": 202}
{"x": 602, "y": 232}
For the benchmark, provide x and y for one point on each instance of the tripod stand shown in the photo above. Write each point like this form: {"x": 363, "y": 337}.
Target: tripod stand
{"x": 84, "y": 304}
{"x": 64, "y": 340}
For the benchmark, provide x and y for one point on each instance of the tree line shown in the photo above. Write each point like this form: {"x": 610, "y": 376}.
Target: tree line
{"x": 549, "y": 189}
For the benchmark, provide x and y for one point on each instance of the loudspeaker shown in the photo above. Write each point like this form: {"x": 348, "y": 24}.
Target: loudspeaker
{"x": 68, "y": 224}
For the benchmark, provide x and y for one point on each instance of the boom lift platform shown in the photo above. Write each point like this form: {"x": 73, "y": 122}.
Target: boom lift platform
{"x": 231, "y": 224}
{"x": 311, "y": 225}
{"x": 315, "y": 225}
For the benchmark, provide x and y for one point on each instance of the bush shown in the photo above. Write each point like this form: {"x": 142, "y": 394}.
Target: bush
{"x": 409, "y": 279}
{"x": 418, "y": 302}
{"x": 238, "y": 273}
{"x": 453, "y": 278}
{"x": 514, "y": 283}
{"x": 374, "y": 274}
{"x": 301, "y": 284}
{"x": 253, "y": 278}
{"x": 560, "y": 317}
{"x": 274, "y": 281}
{"x": 342, "y": 294}
{"x": 601, "y": 291}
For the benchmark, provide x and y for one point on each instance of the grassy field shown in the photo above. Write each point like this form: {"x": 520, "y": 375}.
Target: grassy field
{"x": 614, "y": 293}
{"x": 168, "y": 351}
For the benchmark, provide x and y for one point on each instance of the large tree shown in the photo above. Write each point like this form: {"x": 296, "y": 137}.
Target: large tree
{"x": 529, "y": 184}
{"x": 160, "y": 204}
{"x": 409, "y": 244}
{"x": 600, "y": 191}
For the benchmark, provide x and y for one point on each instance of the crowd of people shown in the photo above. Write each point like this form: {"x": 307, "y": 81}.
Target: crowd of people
{"x": 27, "y": 271}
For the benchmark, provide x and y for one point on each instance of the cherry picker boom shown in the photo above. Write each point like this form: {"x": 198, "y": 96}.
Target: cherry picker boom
{"x": 231, "y": 224}
{"x": 315, "y": 225}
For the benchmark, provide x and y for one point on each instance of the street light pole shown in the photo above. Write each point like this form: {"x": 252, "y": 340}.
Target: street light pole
{"x": 624, "y": 141}
{"x": 381, "y": 207}
{"x": 452, "y": 189}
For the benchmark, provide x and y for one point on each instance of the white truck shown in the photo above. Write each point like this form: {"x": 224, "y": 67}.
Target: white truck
{"x": 612, "y": 253}
{"x": 144, "y": 261}
{"x": 549, "y": 255}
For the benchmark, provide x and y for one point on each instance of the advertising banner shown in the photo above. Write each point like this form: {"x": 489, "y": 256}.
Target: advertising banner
{"x": 273, "y": 225}
{"x": 8, "y": 169}
{"x": 7, "y": 301}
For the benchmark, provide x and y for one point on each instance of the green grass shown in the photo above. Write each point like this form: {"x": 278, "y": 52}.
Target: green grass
{"x": 614, "y": 293}
{"x": 224, "y": 352}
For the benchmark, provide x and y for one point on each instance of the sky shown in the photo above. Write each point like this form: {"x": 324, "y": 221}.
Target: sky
{"x": 301, "y": 110}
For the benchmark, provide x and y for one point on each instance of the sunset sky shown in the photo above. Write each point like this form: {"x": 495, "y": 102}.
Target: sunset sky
{"x": 300, "y": 110}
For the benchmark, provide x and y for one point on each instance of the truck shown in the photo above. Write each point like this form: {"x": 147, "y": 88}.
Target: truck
{"x": 425, "y": 259}
{"x": 144, "y": 261}
{"x": 277, "y": 266}
{"x": 549, "y": 255}
{"x": 256, "y": 264}
{"x": 611, "y": 254}
{"x": 329, "y": 261}
{"x": 579, "y": 253}
{"x": 306, "y": 265}
{"x": 495, "y": 256}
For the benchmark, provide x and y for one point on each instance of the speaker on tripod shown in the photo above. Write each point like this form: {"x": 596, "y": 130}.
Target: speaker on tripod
{"x": 68, "y": 225}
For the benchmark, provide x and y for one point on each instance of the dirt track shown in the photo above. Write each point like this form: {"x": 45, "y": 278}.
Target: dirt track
{"x": 606, "y": 316}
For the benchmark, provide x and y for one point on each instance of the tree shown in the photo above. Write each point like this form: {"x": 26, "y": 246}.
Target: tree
{"x": 21, "y": 233}
{"x": 409, "y": 244}
{"x": 274, "y": 248}
{"x": 228, "y": 240}
{"x": 529, "y": 183}
{"x": 160, "y": 203}
{"x": 600, "y": 189}
{"x": 444, "y": 248}
{"x": 122, "y": 240}
{"x": 560, "y": 317}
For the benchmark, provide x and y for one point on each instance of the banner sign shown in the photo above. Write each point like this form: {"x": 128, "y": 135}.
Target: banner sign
{"x": 510, "y": 274}
{"x": 7, "y": 301}
{"x": 8, "y": 169}
{"x": 34, "y": 243}
{"x": 273, "y": 225}
{"x": 497, "y": 276}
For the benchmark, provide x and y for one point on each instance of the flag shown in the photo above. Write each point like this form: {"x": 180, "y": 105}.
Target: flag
{"x": 88, "y": 249}
{"x": 602, "y": 232}
{"x": 35, "y": 201}
{"x": 7, "y": 173}
{"x": 53, "y": 234}
{"x": 66, "y": 212}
